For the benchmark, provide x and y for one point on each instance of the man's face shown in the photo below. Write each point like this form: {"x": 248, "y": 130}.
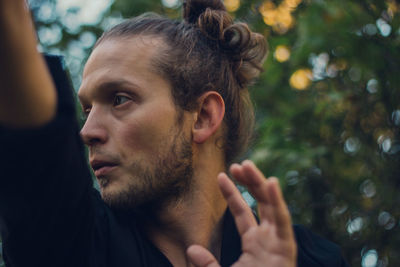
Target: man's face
{"x": 139, "y": 142}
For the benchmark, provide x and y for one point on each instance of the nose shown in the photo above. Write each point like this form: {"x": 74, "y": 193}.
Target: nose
{"x": 94, "y": 131}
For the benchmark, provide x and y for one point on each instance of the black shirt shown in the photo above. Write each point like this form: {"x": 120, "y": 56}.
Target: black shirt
{"x": 50, "y": 214}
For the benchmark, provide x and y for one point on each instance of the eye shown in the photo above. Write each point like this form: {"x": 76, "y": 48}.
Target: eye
{"x": 84, "y": 114}
{"x": 120, "y": 99}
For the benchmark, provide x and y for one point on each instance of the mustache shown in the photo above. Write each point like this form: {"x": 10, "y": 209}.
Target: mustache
{"x": 97, "y": 152}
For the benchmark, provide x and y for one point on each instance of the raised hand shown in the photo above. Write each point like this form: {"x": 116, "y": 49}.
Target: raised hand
{"x": 269, "y": 243}
{"x": 27, "y": 93}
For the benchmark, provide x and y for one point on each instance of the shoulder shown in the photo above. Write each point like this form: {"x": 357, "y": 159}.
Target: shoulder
{"x": 313, "y": 250}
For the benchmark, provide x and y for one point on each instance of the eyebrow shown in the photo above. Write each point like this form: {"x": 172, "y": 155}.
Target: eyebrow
{"x": 117, "y": 83}
{"x": 109, "y": 85}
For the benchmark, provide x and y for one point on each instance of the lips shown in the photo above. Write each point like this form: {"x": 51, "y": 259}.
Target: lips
{"x": 102, "y": 167}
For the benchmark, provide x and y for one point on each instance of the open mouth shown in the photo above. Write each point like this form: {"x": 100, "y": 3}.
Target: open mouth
{"x": 102, "y": 168}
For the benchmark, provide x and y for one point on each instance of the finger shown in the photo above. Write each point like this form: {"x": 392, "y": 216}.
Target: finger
{"x": 201, "y": 257}
{"x": 271, "y": 204}
{"x": 255, "y": 181}
{"x": 247, "y": 174}
{"x": 280, "y": 210}
{"x": 244, "y": 217}
{"x": 246, "y": 165}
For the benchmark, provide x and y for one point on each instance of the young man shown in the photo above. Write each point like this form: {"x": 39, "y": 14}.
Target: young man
{"x": 167, "y": 111}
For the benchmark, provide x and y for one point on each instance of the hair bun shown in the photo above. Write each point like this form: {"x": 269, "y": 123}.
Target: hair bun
{"x": 192, "y": 9}
{"x": 246, "y": 50}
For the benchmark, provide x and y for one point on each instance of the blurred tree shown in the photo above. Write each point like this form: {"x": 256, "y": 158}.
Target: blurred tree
{"x": 329, "y": 120}
{"x": 328, "y": 105}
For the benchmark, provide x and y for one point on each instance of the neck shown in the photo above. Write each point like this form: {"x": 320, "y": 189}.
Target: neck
{"x": 196, "y": 218}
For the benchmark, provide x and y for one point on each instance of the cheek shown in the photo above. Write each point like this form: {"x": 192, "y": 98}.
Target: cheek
{"x": 149, "y": 134}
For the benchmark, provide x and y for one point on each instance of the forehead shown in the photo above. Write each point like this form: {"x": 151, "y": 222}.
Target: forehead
{"x": 127, "y": 59}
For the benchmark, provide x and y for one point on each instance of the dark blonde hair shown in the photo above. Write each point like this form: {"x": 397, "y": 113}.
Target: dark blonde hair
{"x": 207, "y": 51}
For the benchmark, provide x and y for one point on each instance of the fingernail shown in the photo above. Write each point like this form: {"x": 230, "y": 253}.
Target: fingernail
{"x": 273, "y": 179}
{"x": 247, "y": 161}
{"x": 235, "y": 165}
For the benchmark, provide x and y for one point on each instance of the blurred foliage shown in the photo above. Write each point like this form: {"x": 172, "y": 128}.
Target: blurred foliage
{"x": 328, "y": 107}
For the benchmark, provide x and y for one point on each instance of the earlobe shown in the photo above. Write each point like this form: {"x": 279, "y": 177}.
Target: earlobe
{"x": 210, "y": 115}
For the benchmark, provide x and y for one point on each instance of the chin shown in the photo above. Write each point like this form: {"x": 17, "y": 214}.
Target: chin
{"x": 109, "y": 191}
{"x": 120, "y": 197}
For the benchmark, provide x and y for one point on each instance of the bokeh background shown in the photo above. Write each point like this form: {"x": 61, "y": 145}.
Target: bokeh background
{"x": 328, "y": 105}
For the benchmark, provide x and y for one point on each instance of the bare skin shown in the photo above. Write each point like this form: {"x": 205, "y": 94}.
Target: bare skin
{"x": 31, "y": 102}
{"x": 139, "y": 127}
{"x": 270, "y": 243}
{"x": 171, "y": 227}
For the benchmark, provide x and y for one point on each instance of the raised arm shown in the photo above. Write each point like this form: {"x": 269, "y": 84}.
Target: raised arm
{"x": 27, "y": 93}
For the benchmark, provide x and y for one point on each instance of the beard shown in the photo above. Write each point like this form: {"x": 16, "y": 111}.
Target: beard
{"x": 152, "y": 186}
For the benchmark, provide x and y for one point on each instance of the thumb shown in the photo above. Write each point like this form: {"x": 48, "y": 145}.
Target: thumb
{"x": 201, "y": 257}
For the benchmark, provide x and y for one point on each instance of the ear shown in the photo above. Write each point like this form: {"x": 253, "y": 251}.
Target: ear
{"x": 210, "y": 113}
